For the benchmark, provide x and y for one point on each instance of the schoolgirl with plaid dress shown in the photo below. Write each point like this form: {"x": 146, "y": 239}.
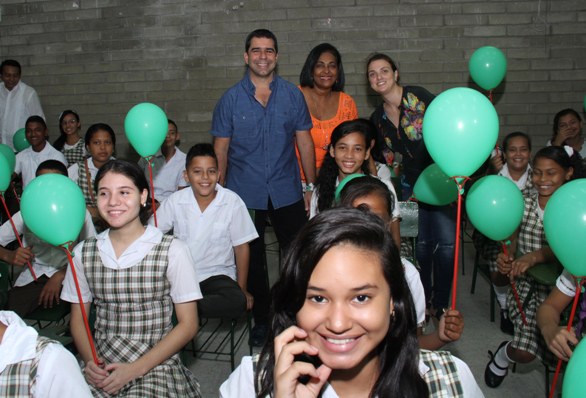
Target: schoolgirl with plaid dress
{"x": 136, "y": 278}
{"x": 551, "y": 168}
{"x": 100, "y": 141}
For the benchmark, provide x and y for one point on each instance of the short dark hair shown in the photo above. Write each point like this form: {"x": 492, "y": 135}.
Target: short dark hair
{"x": 36, "y": 119}
{"x": 169, "y": 121}
{"x": 306, "y": 75}
{"x": 201, "y": 149}
{"x": 560, "y": 114}
{"x": 364, "y": 186}
{"x": 134, "y": 173}
{"x": 94, "y": 128}
{"x": 261, "y": 33}
{"x": 53, "y": 165}
{"x": 10, "y": 62}
{"x": 516, "y": 134}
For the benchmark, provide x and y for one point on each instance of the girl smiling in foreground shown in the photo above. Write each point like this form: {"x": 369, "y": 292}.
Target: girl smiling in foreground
{"x": 342, "y": 297}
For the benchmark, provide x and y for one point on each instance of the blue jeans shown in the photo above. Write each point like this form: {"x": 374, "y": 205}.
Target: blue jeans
{"x": 435, "y": 252}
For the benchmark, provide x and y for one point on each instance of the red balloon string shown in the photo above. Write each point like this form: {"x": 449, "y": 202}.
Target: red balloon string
{"x": 490, "y": 95}
{"x": 515, "y": 291}
{"x": 28, "y": 263}
{"x": 81, "y": 305}
{"x": 580, "y": 281}
{"x": 460, "y": 185}
{"x": 152, "y": 186}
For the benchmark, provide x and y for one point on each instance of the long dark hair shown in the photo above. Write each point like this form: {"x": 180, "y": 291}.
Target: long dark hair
{"x": 364, "y": 186}
{"x": 326, "y": 179}
{"x": 60, "y": 141}
{"x": 133, "y": 173}
{"x": 398, "y": 352}
{"x": 306, "y": 75}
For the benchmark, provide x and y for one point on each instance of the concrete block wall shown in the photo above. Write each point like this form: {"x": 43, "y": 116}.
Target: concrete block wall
{"x": 101, "y": 57}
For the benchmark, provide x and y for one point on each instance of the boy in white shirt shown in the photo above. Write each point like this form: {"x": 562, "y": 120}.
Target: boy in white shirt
{"x": 216, "y": 225}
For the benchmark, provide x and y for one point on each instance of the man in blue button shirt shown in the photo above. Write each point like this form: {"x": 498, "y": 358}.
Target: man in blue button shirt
{"x": 256, "y": 125}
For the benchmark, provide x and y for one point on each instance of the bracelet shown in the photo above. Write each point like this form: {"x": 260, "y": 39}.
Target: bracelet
{"x": 308, "y": 187}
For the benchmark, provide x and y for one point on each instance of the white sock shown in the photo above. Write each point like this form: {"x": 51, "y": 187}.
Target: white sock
{"x": 501, "y": 293}
{"x": 501, "y": 359}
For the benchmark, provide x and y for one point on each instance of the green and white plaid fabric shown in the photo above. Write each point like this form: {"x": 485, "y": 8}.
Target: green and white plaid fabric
{"x": 133, "y": 313}
{"x": 82, "y": 181}
{"x": 19, "y": 379}
{"x": 442, "y": 378}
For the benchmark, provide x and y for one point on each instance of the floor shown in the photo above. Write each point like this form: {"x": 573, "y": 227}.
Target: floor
{"x": 479, "y": 336}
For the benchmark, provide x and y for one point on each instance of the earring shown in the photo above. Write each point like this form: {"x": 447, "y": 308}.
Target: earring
{"x": 144, "y": 204}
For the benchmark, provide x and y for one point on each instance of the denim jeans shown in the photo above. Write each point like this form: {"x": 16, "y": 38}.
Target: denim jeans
{"x": 435, "y": 252}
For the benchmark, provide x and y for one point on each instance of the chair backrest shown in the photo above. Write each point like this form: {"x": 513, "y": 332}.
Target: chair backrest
{"x": 409, "y": 219}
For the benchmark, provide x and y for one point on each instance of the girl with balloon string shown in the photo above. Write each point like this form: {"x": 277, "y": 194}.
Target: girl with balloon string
{"x": 529, "y": 248}
{"x": 399, "y": 124}
{"x": 100, "y": 141}
{"x": 136, "y": 277}
{"x": 512, "y": 163}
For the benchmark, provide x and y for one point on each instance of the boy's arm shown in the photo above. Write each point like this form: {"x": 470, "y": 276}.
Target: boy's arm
{"x": 548, "y": 320}
{"x": 242, "y": 257}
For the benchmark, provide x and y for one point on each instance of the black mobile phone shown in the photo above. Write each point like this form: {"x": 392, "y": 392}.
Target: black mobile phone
{"x": 312, "y": 359}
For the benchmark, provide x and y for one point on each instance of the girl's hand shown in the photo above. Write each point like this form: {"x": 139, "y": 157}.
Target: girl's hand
{"x": 95, "y": 374}
{"x": 120, "y": 375}
{"x": 451, "y": 326}
{"x": 558, "y": 339}
{"x": 504, "y": 263}
{"x": 521, "y": 265}
{"x": 287, "y": 371}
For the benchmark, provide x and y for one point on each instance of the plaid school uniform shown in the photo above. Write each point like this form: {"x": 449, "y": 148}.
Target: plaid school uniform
{"x": 133, "y": 313}
{"x": 84, "y": 180}
{"x": 531, "y": 293}
{"x": 76, "y": 154}
{"x": 19, "y": 379}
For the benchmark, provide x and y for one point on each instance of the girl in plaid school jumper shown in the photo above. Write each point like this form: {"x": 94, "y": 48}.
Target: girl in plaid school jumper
{"x": 100, "y": 141}
{"x": 135, "y": 276}
{"x": 344, "y": 323}
{"x": 551, "y": 169}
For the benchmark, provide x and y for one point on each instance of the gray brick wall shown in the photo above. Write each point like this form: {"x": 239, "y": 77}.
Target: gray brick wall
{"x": 100, "y": 57}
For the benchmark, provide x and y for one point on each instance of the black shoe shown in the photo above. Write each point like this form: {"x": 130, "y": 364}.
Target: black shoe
{"x": 490, "y": 378}
{"x": 258, "y": 335}
{"x": 507, "y": 326}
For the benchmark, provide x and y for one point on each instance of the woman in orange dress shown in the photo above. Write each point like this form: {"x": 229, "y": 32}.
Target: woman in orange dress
{"x": 321, "y": 81}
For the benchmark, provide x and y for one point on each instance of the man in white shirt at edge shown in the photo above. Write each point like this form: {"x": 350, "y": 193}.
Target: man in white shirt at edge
{"x": 18, "y": 101}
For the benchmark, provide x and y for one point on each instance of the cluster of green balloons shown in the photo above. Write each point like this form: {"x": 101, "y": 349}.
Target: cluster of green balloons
{"x": 19, "y": 140}
{"x": 494, "y": 206}
{"x": 434, "y": 187}
{"x": 53, "y": 208}
{"x": 564, "y": 222}
{"x": 146, "y": 128}
{"x": 460, "y": 129}
{"x": 487, "y": 66}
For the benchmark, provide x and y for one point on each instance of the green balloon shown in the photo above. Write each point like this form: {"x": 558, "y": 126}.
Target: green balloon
{"x": 434, "y": 187}
{"x": 53, "y": 208}
{"x": 9, "y": 155}
{"x": 146, "y": 128}
{"x": 564, "y": 222}
{"x": 495, "y": 207}
{"x": 19, "y": 140}
{"x": 573, "y": 385}
{"x": 488, "y": 66}
{"x": 5, "y": 173}
{"x": 585, "y": 102}
{"x": 460, "y": 129}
